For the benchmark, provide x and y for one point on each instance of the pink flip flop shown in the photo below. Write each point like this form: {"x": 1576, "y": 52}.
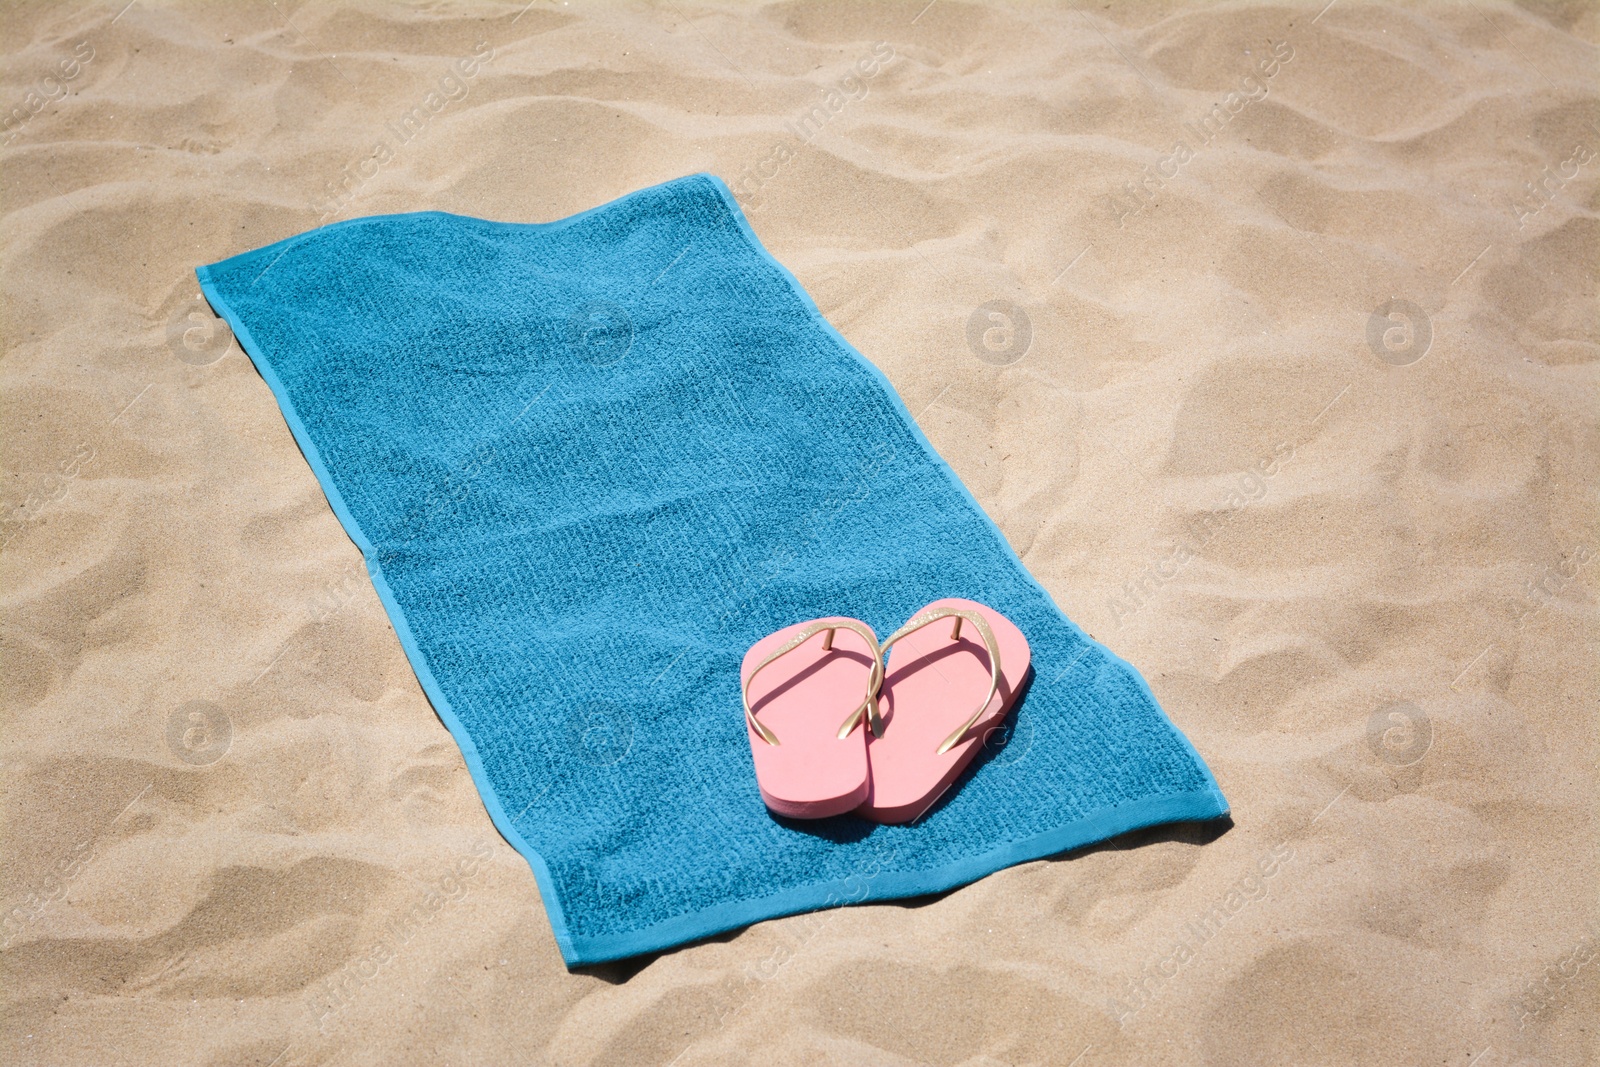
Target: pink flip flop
{"x": 808, "y": 766}
{"x": 930, "y": 687}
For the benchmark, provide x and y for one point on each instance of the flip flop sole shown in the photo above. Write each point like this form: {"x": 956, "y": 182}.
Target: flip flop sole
{"x": 930, "y": 688}
{"x": 803, "y": 697}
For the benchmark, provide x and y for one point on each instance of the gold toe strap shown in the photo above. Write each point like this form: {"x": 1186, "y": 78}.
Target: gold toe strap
{"x": 982, "y": 626}
{"x": 868, "y": 706}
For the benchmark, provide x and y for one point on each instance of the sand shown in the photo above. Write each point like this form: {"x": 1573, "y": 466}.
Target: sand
{"x": 1298, "y": 414}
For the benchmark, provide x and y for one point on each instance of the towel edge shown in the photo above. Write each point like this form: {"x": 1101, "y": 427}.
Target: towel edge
{"x": 683, "y": 930}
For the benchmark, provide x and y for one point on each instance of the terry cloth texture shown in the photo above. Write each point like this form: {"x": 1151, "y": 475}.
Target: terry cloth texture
{"x": 589, "y": 463}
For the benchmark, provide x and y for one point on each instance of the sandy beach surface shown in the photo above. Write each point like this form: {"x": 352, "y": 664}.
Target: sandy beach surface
{"x": 1268, "y": 334}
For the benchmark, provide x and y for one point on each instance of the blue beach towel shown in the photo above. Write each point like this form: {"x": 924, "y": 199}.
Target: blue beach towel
{"x": 589, "y": 463}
